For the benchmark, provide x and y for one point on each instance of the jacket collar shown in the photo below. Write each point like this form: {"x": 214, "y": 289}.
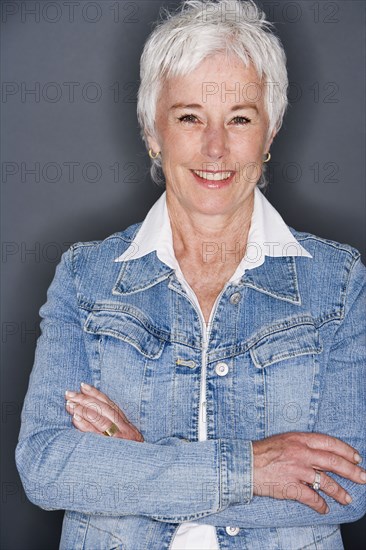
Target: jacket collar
{"x": 270, "y": 266}
{"x": 277, "y": 276}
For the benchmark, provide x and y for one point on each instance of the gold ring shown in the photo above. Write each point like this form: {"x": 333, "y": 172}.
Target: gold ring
{"x": 113, "y": 429}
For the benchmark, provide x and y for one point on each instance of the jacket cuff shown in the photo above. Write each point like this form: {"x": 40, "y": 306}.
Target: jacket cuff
{"x": 236, "y": 471}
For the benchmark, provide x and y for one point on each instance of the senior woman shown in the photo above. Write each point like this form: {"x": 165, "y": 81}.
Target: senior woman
{"x": 218, "y": 349}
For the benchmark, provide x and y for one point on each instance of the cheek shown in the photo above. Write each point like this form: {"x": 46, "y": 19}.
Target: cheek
{"x": 252, "y": 171}
{"x": 248, "y": 148}
{"x": 248, "y": 156}
{"x": 180, "y": 149}
{"x": 252, "y": 137}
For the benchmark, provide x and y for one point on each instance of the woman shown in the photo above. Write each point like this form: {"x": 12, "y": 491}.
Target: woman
{"x": 218, "y": 349}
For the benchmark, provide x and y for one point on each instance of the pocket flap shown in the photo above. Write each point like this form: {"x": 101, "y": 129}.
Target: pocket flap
{"x": 126, "y": 327}
{"x": 284, "y": 344}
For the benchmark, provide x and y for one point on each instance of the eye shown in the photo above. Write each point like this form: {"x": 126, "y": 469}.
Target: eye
{"x": 241, "y": 120}
{"x": 187, "y": 118}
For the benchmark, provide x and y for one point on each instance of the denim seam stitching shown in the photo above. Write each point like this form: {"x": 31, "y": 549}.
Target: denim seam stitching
{"x": 128, "y": 312}
{"x": 346, "y": 288}
{"x": 124, "y": 338}
{"x": 320, "y": 540}
{"x": 338, "y": 246}
{"x": 281, "y": 357}
{"x": 89, "y": 524}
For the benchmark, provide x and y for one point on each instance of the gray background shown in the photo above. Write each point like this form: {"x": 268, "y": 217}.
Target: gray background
{"x": 317, "y": 171}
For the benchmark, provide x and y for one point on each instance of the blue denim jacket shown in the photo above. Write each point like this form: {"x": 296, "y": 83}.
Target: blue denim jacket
{"x": 295, "y": 346}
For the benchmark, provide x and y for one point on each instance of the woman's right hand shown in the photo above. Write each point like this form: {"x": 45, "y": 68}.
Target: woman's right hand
{"x": 284, "y": 464}
{"x": 93, "y": 411}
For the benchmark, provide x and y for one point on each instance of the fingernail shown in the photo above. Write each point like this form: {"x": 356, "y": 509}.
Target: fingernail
{"x": 85, "y": 386}
{"x": 363, "y": 476}
{"x": 348, "y": 498}
{"x": 77, "y": 417}
{"x": 70, "y": 403}
{"x": 70, "y": 393}
{"x": 357, "y": 457}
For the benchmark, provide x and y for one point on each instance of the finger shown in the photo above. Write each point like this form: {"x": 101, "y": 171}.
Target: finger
{"x": 99, "y": 427}
{"x": 329, "y": 486}
{"x": 99, "y": 401}
{"x": 334, "y": 445}
{"x": 83, "y": 425}
{"x": 101, "y": 421}
{"x": 328, "y": 461}
{"x": 92, "y": 391}
{"x": 311, "y": 498}
{"x": 100, "y": 407}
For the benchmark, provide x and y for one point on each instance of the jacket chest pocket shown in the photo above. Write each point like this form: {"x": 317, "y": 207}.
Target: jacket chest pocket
{"x": 286, "y": 373}
{"x": 130, "y": 357}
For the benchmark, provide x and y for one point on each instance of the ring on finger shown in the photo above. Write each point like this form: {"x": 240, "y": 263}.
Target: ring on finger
{"x": 316, "y": 483}
{"x": 112, "y": 430}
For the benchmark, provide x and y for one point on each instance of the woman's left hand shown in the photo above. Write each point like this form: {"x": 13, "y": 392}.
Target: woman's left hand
{"x": 93, "y": 411}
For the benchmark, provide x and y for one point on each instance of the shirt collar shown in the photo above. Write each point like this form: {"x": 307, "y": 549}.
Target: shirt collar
{"x": 268, "y": 236}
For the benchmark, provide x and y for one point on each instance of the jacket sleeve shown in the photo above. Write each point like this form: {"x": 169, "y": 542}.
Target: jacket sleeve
{"x": 344, "y": 384}
{"x": 63, "y": 468}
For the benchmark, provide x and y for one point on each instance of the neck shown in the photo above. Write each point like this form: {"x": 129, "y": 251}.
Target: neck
{"x": 210, "y": 240}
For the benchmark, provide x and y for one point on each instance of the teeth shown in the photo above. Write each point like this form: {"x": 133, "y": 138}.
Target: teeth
{"x": 210, "y": 176}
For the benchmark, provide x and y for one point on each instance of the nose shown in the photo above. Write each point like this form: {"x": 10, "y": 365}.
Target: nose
{"x": 214, "y": 142}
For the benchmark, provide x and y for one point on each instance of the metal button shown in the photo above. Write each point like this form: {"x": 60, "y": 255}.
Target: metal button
{"x": 235, "y": 298}
{"x": 186, "y": 363}
{"x": 221, "y": 369}
{"x": 232, "y": 531}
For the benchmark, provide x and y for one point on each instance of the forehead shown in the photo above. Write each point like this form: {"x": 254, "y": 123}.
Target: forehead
{"x": 218, "y": 77}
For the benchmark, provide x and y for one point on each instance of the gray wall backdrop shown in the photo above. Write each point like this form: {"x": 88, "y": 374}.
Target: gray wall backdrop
{"x": 74, "y": 167}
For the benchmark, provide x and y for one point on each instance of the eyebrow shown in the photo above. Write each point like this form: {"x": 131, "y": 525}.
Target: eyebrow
{"x": 198, "y": 106}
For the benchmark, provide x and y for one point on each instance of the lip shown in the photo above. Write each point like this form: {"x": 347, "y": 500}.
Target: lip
{"x": 214, "y": 184}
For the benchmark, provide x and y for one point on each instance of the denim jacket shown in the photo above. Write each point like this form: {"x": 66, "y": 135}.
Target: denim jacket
{"x": 294, "y": 346}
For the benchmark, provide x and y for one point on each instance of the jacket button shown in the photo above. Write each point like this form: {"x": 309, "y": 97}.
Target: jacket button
{"x": 186, "y": 363}
{"x": 232, "y": 531}
{"x": 221, "y": 369}
{"x": 235, "y": 298}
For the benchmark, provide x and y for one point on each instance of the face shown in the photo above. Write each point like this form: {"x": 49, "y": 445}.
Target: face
{"x": 211, "y": 131}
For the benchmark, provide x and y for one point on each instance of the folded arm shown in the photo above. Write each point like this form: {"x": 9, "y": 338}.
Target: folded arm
{"x": 342, "y": 413}
{"x": 63, "y": 468}
{"x": 209, "y": 482}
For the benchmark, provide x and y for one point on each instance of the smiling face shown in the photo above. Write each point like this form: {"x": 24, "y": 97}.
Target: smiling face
{"x": 211, "y": 129}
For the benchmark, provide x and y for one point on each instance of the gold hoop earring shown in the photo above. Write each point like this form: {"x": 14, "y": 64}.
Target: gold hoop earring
{"x": 268, "y": 157}
{"x": 152, "y": 156}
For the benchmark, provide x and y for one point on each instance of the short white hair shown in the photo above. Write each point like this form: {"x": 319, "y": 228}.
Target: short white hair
{"x": 180, "y": 41}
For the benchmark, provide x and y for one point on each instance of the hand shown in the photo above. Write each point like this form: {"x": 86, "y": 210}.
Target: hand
{"x": 94, "y": 412}
{"x": 284, "y": 467}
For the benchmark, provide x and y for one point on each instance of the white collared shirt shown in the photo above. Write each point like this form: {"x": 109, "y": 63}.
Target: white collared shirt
{"x": 268, "y": 236}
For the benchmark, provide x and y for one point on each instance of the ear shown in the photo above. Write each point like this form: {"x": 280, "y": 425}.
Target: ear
{"x": 270, "y": 140}
{"x": 153, "y": 143}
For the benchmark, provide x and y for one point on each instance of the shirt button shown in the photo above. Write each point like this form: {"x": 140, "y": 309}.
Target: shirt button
{"x": 232, "y": 531}
{"x": 221, "y": 369}
{"x": 235, "y": 298}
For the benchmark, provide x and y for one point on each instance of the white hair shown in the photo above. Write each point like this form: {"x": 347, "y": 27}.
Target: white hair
{"x": 181, "y": 41}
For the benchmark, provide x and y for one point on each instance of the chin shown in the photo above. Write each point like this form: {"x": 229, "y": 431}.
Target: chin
{"x": 212, "y": 206}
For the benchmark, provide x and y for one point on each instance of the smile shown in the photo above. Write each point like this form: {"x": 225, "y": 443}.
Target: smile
{"x": 213, "y": 176}
{"x": 213, "y": 180}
